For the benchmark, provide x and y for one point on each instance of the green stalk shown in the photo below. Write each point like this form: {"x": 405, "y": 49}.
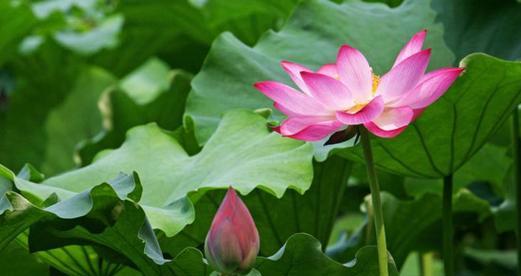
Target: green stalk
{"x": 516, "y": 153}
{"x": 425, "y": 260}
{"x": 448, "y": 228}
{"x": 376, "y": 202}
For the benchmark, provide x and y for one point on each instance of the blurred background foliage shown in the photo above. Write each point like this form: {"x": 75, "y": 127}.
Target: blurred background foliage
{"x": 75, "y": 75}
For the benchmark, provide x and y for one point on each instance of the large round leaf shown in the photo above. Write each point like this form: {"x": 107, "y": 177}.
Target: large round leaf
{"x": 242, "y": 153}
{"x": 104, "y": 214}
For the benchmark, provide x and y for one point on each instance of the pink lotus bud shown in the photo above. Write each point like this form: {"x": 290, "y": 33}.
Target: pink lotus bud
{"x": 232, "y": 244}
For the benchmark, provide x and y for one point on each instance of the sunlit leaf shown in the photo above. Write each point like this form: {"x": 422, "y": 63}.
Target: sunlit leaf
{"x": 242, "y": 153}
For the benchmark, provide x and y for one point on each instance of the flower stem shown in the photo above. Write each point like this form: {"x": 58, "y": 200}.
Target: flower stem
{"x": 448, "y": 228}
{"x": 376, "y": 202}
{"x": 516, "y": 153}
{"x": 425, "y": 260}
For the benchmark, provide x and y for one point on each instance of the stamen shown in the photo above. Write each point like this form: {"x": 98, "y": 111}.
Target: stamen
{"x": 376, "y": 81}
{"x": 356, "y": 108}
{"x": 360, "y": 105}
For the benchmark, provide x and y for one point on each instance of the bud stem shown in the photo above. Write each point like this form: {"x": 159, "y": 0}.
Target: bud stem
{"x": 376, "y": 202}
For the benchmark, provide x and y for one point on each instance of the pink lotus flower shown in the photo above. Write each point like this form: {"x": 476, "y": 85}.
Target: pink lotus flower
{"x": 349, "y": 93}
{"x": 232, "y": 244}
